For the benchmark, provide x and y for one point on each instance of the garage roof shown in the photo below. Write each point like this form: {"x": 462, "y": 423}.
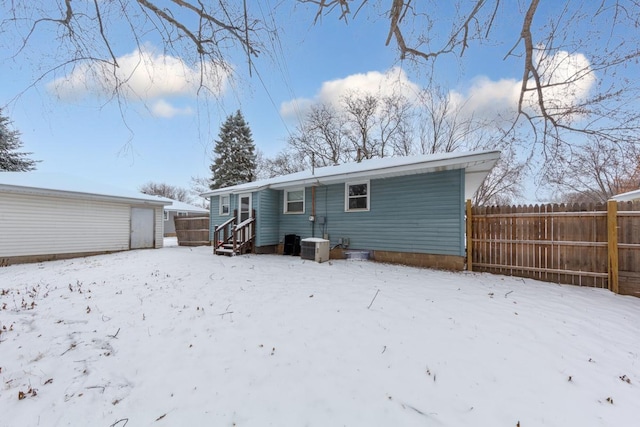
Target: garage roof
{"x": 53, "y": 184}
{"x": 178, "y": 206}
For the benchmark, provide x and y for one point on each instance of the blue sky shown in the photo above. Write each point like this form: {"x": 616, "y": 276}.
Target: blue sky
{"x": 169, "y": 137}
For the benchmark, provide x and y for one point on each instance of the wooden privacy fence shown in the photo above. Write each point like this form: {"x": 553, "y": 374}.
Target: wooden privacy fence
{"x": 192, "y": 231}
{"x": 586, "y": 245}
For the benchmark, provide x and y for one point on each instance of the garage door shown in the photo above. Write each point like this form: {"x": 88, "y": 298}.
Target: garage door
{"x": 142, "y": 228}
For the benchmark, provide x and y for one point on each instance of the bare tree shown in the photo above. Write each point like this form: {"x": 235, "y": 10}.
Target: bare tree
{"x": 596, "y": 172}
{"x": 395, "y": 126}
{"x": 372, "y": 125}
{"x": 166, "y": 190}
{"x": 199, "y": 185}
{"x": 503, "y": 186}
{"x": 360, "y": 112}
{"x": 322, "y": 136}
{"x": 286, "y": 162}
{"x": 443, "y": 126}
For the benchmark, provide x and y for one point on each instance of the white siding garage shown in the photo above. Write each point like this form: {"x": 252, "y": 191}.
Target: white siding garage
{"x": 43, "y": 218}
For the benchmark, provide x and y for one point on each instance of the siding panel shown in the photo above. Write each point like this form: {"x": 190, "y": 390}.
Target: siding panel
{"x": 417, "y": 213}
{"x": 214, "y": 212}
{"x": 37, "y": 225}
{"x": 297, "y": 223}
{"x": 266, "y": 204}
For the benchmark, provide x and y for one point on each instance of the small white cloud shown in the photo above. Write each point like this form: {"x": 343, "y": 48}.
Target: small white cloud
{"x": 488, "y": 98}
{"x": 143, "y": 74}
{"x": 295, "y": 108}
{"x": 568, "y": 77}
{"x": 394, "y": 81}
{"x": 162, "y": 108}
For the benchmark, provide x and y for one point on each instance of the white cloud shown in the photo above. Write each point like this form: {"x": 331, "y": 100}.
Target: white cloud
{"x": 143, "y": 75}
{"x": 374, "y": 82}
{"x": 487, "y": 98}
{"x": 574, "y": 70}
{"x": 162, "y": 108}
{"x": 569, "y": 78}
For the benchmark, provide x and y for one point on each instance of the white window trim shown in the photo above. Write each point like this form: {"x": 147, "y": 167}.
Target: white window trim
{"x": 228, "y": 196}
{"x": 346, "y": 196}
{"x": 304, "y": 206}
{"x": 166, "y": 215}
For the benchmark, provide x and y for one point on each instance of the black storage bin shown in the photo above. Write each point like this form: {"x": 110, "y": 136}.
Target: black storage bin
{"x": 291, "y": 244}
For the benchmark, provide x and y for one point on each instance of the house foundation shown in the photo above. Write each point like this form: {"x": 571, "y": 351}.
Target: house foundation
{"x": 443, "y": 262}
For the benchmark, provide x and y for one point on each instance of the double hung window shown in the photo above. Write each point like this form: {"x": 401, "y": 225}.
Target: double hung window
{"x": 356, "y": 196}
{"x": 294, "y": 201}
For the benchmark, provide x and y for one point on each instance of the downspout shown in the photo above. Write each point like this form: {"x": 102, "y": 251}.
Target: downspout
{"x": 313, "y": 211}
{"x": 313, "y": 196}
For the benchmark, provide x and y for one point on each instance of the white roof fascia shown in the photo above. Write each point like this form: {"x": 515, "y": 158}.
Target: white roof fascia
{"x": 237, "y": 189}
{"x": 480, "y": 162}
{"x": 18, "y": 189}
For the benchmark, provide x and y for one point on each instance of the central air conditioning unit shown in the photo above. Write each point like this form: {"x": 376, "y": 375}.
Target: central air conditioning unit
{"x": 314, "y": 249}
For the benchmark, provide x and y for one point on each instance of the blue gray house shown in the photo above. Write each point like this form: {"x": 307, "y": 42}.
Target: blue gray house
{"x": 408, "y": 210}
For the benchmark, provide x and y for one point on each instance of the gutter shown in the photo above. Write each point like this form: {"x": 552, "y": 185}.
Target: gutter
{"x": 81, "y": 195}
{"x": 419, "y": 166}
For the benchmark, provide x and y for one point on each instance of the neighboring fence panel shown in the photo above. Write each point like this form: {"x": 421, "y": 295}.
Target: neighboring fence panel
{"x": 192, "y": 231}
{"x": 556, "y": 243}
{"x": 629, "y": 248}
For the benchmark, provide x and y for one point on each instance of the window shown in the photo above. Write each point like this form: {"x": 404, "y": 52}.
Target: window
{"x": 183, "y": 214}
{"x": 224, "y": 205}
{"x": 166, "y": 216}
{"x": 356, "y": 196}
{"x": 294, "y": 201}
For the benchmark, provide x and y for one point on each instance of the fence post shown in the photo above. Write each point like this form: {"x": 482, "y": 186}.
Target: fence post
{"x": 612, "y": 239}
{"x": 469, "y": 230}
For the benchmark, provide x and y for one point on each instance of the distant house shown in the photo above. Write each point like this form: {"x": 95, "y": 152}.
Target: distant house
{"x": 46, "y": 217}
{"x": 629, "y": 196}
{"x": 409, "y": 210}
{"x": 179, "y": 209}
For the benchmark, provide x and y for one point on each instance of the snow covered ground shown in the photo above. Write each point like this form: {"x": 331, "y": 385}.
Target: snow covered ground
{"x": 180, "y": 337}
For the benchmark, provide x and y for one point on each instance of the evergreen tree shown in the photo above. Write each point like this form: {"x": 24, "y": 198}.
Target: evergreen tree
{"x": 10, "y": 160}
{"x": 235, "y": 159}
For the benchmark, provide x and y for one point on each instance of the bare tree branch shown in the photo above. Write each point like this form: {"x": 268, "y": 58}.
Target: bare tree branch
{"x": 601, "y": 34}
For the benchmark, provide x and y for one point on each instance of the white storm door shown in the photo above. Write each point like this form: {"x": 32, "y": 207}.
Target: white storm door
{"x": 244, "y": 207}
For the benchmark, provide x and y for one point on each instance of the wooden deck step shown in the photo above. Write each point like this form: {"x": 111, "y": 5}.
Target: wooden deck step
{"x": 225, "y": 251}
{"x": 230, "y": 245}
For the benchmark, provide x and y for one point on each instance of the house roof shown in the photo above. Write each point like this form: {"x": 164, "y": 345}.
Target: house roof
{"x": 177, "y": 206}
{"x": 54, "y": 184}
{"x": 627, "y": 197}
{"x": 477, "y": 166}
